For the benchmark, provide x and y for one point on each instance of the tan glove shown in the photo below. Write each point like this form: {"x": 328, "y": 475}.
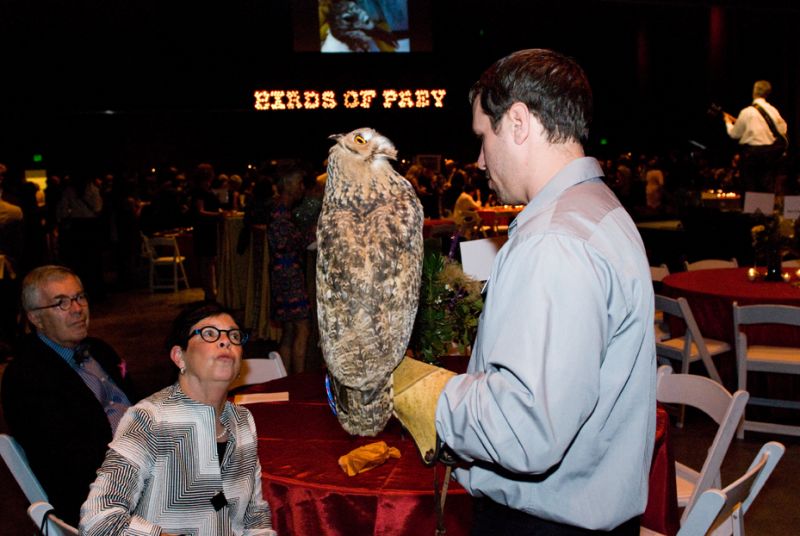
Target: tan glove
{"x": 416, "y": 387}
{"x": 367, "y": 457}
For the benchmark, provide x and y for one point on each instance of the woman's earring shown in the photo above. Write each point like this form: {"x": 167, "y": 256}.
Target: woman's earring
{"x": 183, "y": 370}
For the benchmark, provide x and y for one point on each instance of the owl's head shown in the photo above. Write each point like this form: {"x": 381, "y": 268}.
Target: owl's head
{"x": 366, "y": 143}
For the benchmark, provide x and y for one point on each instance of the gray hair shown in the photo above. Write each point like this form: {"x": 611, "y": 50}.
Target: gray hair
{"x": 38, "y": 278}
{"x": 762, "y": 88}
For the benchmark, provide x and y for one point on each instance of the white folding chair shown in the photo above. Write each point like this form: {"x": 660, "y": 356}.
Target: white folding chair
{"x": 708, "y": 264}
{"x": 715, "y": 401}
{"x": 691, "y": 346}
{"x": 764, "y": 358}
{"x": 163, "y": 252}
{"x": 260, "y": 370}
{"x": 17, "y": 463}
{"x": 720, "y": 512}
{"x": 54, "y": 526}
{"x": 658, "y": 273}
{"x": 14, "y": 457}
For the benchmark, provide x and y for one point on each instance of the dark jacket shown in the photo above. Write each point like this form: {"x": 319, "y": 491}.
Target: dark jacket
{"x": 57, "y": 419}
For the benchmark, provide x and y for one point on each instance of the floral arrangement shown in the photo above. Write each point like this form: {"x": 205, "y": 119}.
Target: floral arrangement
{"x": 450, "y": 304}
{"x": 773, "y": 239}
{"x": 774, "y": 234}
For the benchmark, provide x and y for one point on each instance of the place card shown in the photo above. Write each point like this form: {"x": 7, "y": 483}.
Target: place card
{"x": 477, "y": 256}
{"x": 759, "y": 202}
{"x": 257, "y": 398}
{"x": 791, "y": 207}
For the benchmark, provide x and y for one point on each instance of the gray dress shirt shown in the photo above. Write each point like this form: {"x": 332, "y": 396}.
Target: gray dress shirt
{"x": 556, "y": 412}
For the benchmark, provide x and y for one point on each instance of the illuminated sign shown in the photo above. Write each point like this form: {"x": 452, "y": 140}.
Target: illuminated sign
{"x": 364, "y": 99}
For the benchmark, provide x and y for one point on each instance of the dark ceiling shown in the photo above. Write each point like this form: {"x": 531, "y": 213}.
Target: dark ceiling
{"x": 179, "y": 76}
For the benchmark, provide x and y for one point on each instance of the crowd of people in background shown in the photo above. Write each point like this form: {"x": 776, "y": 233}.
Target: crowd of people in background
{"x": 92, "y": 222}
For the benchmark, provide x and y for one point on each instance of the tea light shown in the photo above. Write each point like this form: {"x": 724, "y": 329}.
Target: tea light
{"x": 786, "y": 277}
{"x": 752, "y": 274}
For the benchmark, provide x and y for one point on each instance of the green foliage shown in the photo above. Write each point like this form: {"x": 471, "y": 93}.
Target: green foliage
{"x": 773, "y": 236}
{"x": 450, "y": 305}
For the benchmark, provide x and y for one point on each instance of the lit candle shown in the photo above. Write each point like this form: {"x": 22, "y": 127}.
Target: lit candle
{"x": 786, "y": 276}
{"x": 752, "y": 273}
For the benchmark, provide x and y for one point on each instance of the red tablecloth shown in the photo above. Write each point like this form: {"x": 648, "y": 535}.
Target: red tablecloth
{"x": 438, "y": 227}
{"x": 300, "y": 442}
{"x": 711, "y": 294}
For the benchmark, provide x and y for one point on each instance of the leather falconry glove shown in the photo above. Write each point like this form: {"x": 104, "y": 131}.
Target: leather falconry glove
{"x": 416, "y": 387}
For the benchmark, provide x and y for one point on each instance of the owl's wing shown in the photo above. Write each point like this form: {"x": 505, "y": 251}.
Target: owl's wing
{"x": 368, "y": 277}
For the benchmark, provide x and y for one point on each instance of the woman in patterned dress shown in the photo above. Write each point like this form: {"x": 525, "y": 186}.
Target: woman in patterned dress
{"x": 287, "y": 246}
{"x": 184, "y": 460}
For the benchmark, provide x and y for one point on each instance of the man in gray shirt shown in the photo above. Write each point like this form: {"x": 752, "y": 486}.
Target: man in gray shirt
{"x": 554, "y": 420}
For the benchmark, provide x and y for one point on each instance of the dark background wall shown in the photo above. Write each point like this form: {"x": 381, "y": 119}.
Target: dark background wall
{"x": 179, "y": 76}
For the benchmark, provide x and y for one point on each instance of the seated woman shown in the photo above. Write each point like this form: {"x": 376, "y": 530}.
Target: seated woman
{"x": 465, "y": 210}
{"x": 184, "y": 460}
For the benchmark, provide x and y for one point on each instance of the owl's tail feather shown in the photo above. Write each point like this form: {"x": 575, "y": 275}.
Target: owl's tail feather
{"x": 363, "y": 413}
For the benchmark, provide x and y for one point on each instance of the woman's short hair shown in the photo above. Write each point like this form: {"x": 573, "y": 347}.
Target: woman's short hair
{"x": 38, "y": 278}
{"x": 553, "y": 87}
{"x": 179, "y": 332}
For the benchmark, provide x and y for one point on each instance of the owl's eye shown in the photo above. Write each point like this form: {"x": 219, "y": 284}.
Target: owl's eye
{"x": 360, "y": 139}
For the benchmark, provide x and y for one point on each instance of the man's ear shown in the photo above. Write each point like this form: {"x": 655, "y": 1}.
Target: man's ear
{"x": 520, "y": 118}
{"x": 34, "y": 318}
{"x": 176, "y": 355}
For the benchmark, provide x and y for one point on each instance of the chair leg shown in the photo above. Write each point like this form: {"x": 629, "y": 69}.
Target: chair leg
{"x": 183, "y": 275}
{"x": 742, "y": 373}
{"x": 152, "y": 277}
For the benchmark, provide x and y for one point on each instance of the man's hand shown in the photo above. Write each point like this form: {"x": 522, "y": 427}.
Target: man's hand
{"x": 416, "y": 387}
{"x": 728, "y": 118}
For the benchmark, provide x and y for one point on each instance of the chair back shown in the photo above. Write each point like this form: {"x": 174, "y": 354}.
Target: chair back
{"x": 147, "y": 248}
{"x": 165, "y": 247}
{"x": 54, "y": 526}
{"x": 658, "y": 273}
{"x": 17, "y": 463}
{"x": 260, "y": 370}
{"x": 733, "y": 502}
{"x": 679, "y": 308}
{"x": 715, "y": 401}
{"x": 765, "y": 314}
{"x": 709, "y": 264}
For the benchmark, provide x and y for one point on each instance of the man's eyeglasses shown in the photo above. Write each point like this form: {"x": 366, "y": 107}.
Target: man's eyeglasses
{"x": 65, "y": 302}
{"x": 212, "y": 334}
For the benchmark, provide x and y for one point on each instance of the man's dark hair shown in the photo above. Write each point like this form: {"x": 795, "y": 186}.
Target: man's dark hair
{"x": 179, "y": 332}
{"x": 553, "y": 87}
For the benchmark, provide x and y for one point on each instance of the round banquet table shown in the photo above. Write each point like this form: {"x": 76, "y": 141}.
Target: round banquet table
{"x": 711, "y": 294}
{"x": 300, "y": 442}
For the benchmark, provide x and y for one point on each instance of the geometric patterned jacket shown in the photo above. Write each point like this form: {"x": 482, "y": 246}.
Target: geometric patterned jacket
{"x": 162, "y": 471}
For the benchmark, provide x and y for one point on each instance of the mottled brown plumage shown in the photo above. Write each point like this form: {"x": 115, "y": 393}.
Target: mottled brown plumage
{"x": 369, "y": 263}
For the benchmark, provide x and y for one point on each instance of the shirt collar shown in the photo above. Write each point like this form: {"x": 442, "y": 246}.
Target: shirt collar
{"x": 577, "y": 171}
{"x": 65, "y": 353}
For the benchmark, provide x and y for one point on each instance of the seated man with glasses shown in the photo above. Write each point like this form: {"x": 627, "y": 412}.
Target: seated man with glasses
{"x": 64, "y": 392}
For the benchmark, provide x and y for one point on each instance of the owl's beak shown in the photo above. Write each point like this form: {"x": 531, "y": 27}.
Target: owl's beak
{"x": 336, "y": 137}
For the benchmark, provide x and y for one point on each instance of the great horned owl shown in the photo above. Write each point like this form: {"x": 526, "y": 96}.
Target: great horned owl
{"x": 353, "y": 26}
{"x": 369, "y": 264}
